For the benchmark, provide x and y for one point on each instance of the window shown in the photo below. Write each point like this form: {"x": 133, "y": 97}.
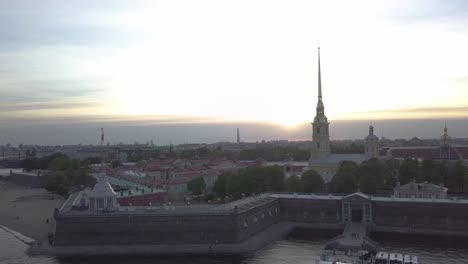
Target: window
{"x": 91, "y": 203}
{"x": 318, "y": 130}
{"x": 100, "y": 203}
{"x": 110, "y": 203}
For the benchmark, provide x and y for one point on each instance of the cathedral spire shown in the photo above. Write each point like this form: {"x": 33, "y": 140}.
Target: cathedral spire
{"x": 319, "y": 78}
{"x": 320, "y": 107}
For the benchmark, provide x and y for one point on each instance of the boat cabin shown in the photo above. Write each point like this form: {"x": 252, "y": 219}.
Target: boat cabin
{"x": 410, "y": 259}
{"x": 395, "y": 258}
{"x": 381, "y": 258}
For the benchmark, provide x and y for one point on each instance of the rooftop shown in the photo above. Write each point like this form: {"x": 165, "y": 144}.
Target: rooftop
{"x": 338, "y": 158}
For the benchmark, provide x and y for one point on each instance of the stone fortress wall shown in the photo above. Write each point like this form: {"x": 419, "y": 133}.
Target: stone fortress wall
{"x": 241, "y": 220}
{"x": 205, "y": 226}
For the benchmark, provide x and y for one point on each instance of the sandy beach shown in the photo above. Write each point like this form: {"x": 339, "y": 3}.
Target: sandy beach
{"x": 26, "y": 210}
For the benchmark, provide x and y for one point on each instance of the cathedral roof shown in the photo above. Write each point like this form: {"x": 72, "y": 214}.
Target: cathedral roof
{"x": 338, "y": 158}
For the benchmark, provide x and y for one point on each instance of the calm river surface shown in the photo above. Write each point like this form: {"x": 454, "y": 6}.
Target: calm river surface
{"x": 301, "y": 247}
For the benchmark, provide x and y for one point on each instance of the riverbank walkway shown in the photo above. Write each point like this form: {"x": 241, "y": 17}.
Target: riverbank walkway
{"x": 354, "y": 238}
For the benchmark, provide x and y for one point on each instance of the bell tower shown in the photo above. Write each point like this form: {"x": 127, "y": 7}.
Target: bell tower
{"x": 320, "y": 133}
{"x": 371, "y": 144}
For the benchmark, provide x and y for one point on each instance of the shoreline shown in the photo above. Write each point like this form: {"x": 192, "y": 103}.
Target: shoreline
{"x": 27, "y": 213}
{"x": 19, "y": 236}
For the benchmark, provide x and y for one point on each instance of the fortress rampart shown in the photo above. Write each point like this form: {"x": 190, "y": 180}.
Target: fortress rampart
{"x": 246, "y": 220}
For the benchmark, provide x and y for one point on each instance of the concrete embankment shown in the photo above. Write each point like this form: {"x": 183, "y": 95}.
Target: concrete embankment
{"x": 252, "y": 244}
{"x": 25, "y": 239}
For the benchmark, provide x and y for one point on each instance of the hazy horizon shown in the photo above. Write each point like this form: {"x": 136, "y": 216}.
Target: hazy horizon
{"x": 164, "y": 134}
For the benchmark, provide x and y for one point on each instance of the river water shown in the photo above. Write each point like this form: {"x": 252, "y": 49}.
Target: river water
{"x": 301, "y": 247}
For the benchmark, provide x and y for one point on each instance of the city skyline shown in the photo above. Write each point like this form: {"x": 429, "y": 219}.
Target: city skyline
{"x": 146, "y": 65}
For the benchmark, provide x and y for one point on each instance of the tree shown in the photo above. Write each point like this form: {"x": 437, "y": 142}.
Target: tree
{"x": 371, "y": 175}
{"x": 441, "y": 173}
{"x": 196, "y": 186}
{"x": 275, "y": 179}
{"x": 220, "y": 187}
{"x": 345, "y": 180}
{"x": 391, "y": 177}
{"x": 427, "y": 171}
{"x": 409, "y": 170}
{"x": 460, "y": 177}
{"x": 312, "y": 181}
{"x": 67, "y": 175}
{"x": 293, "y": 184}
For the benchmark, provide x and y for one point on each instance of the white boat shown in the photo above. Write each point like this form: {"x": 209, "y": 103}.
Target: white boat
{"x": 408, "y": 259}
{"x": 395, "y": 258}
{"x": 381, "y": 258}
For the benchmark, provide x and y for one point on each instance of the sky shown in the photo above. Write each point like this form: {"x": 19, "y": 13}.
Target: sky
{"x": 191, "y": 71}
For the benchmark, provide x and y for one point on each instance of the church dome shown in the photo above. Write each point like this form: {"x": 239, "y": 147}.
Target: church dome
{"x": 102, "y": 189}
{"x": 371, "y": 137}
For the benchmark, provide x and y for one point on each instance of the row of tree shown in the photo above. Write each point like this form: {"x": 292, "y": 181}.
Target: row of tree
{"x": 374, "y": 176}
{"x": 265, "y": 179}
{"x": 66, "y": 175}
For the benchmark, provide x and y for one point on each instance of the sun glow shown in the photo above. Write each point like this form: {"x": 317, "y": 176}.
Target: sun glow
{"x": 215, "y": 65}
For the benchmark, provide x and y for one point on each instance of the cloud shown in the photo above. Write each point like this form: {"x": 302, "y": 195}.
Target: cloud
{"x": 40, "y": 106}
{"x": 410, "y": 113}
{"x": 428, "y": 10}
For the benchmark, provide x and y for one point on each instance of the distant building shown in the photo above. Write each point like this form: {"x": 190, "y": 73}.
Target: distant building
{"x": 445, "y": 151}
{"x": 420, "y": 190}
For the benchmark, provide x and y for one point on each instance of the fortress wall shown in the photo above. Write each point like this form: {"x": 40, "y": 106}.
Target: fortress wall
{"x": 238, "y": 226}
{"x": 423, "y": 215}
{"x": 144, "y": 229}
{"x": 256, "y": 219}
{"x": 310, "y": 210}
